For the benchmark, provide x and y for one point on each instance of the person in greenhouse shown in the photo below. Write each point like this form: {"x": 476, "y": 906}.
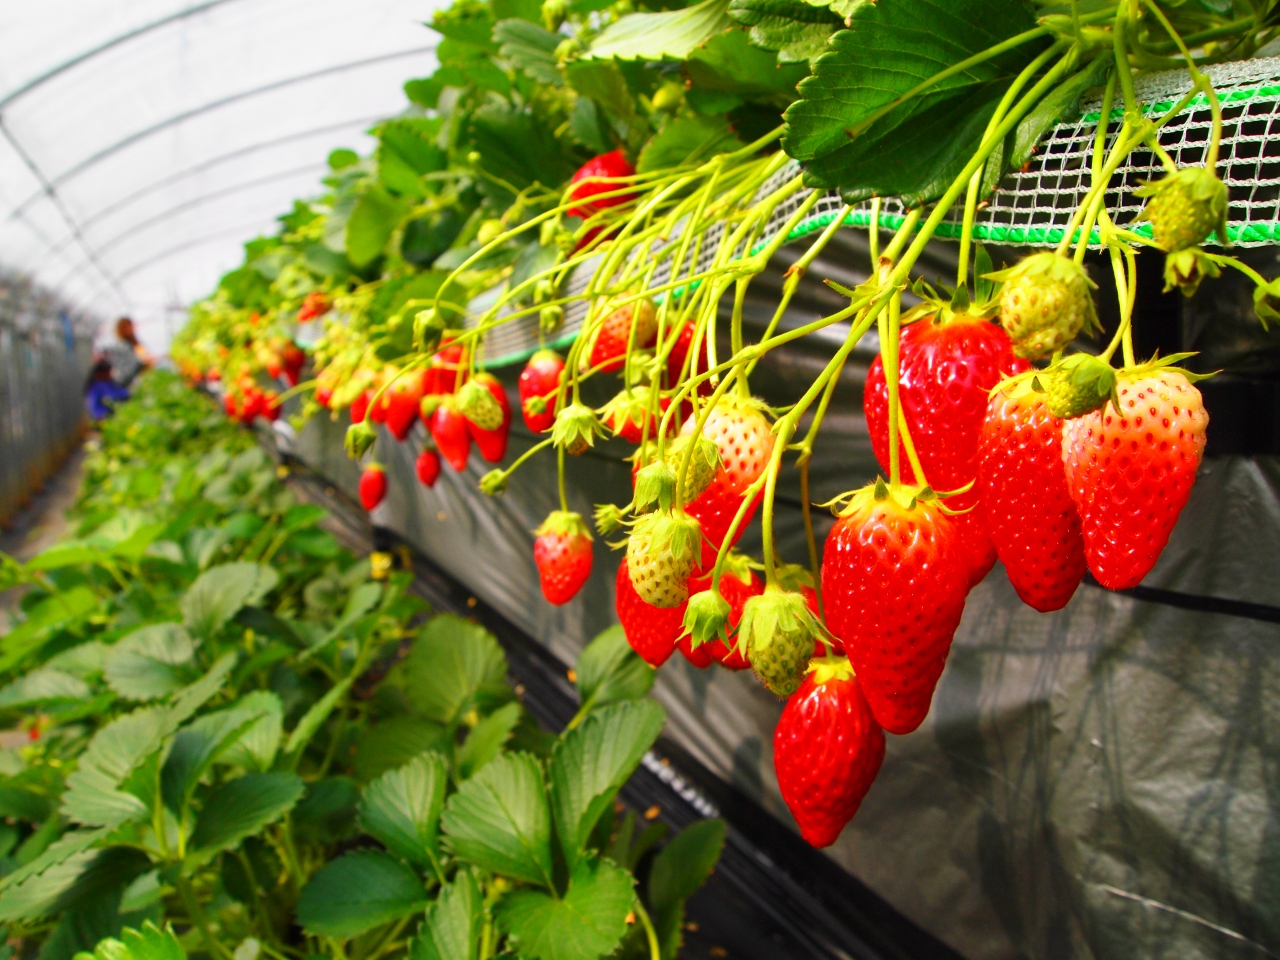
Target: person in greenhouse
{"x": 102, "y": 393}
{"x": 125, "y": 354}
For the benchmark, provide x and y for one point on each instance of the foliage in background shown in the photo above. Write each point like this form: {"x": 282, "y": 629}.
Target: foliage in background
{"x": 238, "y": 735}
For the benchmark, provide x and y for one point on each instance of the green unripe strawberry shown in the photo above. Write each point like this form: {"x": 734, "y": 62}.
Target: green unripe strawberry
{"x": 1185, "y": 207}
{"x": 1045, "y": 302}
{"x": 777, "y": 634}
{"x": 661, "y": 554}
{"x": 1077, "y": 385}
{"x": 478, "y": 405}
{"x": 703, "y": 463}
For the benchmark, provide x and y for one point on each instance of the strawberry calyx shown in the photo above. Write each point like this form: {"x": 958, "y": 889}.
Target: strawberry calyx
{"x": 1168, "y": 364}
{"x": 655, "y": 487}
{"x": 564, "y": 523}
{"x": 576, "y": 428}
{"x": 903, "y": 497}
{"x": 830, "y": 667}
{"x": 706, "y": 618}
{"x": 360, "y": 437}
{"x": 776, "y": 635}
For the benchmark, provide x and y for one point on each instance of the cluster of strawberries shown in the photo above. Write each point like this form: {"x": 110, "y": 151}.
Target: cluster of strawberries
{"x": 456, "y": 408}
{"x": 244, "y": 400}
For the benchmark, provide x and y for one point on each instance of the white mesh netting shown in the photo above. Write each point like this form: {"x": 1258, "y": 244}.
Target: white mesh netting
{"x": 1033, "y": 206}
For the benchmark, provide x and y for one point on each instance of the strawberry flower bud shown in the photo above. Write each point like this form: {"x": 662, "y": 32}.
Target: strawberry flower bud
{"x": 576, "y": 429}
{"x": 1185, "y": 269}
{"x": 428, "y": 328}
{"x": 493, "y": 483}
{"x": 608, "y": 518}
{"x": 550, "y": 317}
{"x": 360, "y": 437}
{"x": 706, "y": 618}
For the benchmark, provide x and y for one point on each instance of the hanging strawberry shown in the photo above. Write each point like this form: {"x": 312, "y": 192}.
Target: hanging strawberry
{"x": 827, "y": 750}
{"x": 538, "y": 384}
{"x": 1130, "y": 471}
{"x": 1046, "y": 300}
{"x": 484, "y": 404}
{"x": 742, "y": 434}
{"x": 627, "y": 413}
{"x": 427, "y": 467}
{"x": 611, "y": 164}
{"x": 400, "y": 404}
{"x": 314, "y": 304}
{"x": 738, "y": 584}
{"x": 442, "y": 374}
{"x": 562, "y": 553}
{"x": 373, "y": 485}
{"x": 1025, "y": 500}
{"x": 606, "y": 347}
{"x": 893, "y": 585}
{"x": 651, "y": 631}
{"x": 449, "y": 430}
{"x": 947, "y": 368}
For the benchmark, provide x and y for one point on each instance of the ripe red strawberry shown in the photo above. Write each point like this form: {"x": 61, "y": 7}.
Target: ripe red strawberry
{"x": 651, "y": 631}
{"x": 270, "y": 406}
{"x": 538, "y": 384}
{"x": 294, "y": 361}
{"x": 314, "y": 304}
{"x": 827, "y": 750}
{"x": 373, "y": 485}
{"x": 251, "y": 404}
{"x": 562, "y": 552}
{"x": 676, "y": 358}
{"x": 738, "y": 584}
{"x": 893, "y": 584}
{"x": 742, "y": 434}
{"x": 229, "y": 403}
{"x": 946, "y": 371}
{"x": 1130, "y": 472}
{"x": 607, "y": 348}
{"x": 492, "y": 443}
{"x": 324, "y": 395}
{"x": 449, "y": 430}
{"x": 360, "y": 406}
{"x": 400, "y": 404}
{"x": 428, "y": 467}
{"x": 442, "y": 374}
{"x": 1025, "y": 500}
{"x": 611, "y": 164}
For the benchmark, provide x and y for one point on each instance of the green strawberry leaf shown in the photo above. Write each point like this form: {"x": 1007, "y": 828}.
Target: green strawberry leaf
{"x": 402, "y": 809}
{"x": 358, "y": 892}
{"x": 147, "y": 663}
{"x": 592, "y": 763}
{"x": 588, "y": 922}
{"x": 149, "y": 943}
{"x": 729, "y": 63}
{"x": 798, "y": 31}
{"x": 499, "y": 820}
{"x": 218, "y": 594}
{"x": 43, "y": 686}
{"x": 687, "y": 139}
{"x": 530, "y": 49}
{"x": 453, "y": 663}
{"x": 678, "y": 871}
{"x": 373, "y": 219}
{"x": 915, "y": 149}
{"x": 196, "y": 747}
{"x": 609, "y": 671}
{"x": 668, "y": 35}
{"x": 454, "y": 922}
{"x": 256, "y": 747}
{"x": 487, "y": 738}
{"x": 393, "y": 743}
{"x": 242, "y": 807}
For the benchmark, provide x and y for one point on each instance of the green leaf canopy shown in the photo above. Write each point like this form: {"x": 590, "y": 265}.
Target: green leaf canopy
{"x": 587, "y": 922}
{"x": 358, "y": 892}
{"x": 916, "y": 149}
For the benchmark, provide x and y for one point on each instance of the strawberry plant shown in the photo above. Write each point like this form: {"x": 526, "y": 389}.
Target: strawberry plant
{"x": 639, "y": 170}
{"x": 241, "y": 743}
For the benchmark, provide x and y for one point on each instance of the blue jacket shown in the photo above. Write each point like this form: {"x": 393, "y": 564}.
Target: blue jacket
{"x": 102, "y": 396}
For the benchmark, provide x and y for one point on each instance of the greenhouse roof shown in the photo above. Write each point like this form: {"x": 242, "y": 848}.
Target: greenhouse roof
{"x": 143, "y": 141}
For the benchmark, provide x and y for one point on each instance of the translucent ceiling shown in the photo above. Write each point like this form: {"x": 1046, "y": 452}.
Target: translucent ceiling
{"x": 143, "y": 141}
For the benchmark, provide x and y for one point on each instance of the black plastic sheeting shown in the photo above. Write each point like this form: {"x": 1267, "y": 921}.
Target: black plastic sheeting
{"x": 1102, "y": 782}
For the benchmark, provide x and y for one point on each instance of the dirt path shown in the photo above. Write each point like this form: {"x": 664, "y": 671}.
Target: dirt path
{"x": 40, "y": 525}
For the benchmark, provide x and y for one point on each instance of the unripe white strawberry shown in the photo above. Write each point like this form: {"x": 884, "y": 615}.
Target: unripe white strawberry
{"x": 662, "y": 553}
{"x": 1045, "y": 302}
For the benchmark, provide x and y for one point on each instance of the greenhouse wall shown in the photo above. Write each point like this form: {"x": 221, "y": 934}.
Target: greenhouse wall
{"x": 45, "y": 352}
